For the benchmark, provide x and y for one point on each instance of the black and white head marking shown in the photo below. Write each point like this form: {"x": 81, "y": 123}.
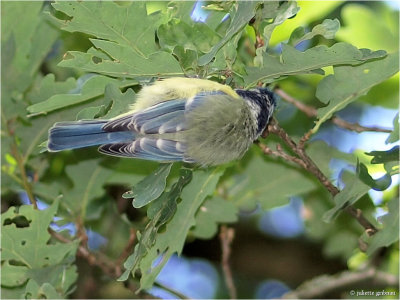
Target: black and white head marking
{"x": 262, "y": 102}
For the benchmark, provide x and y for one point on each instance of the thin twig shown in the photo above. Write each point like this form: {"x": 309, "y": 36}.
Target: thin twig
{"x": 306, "y": 162}
{"x": 226, "y": 236}
{"x": 321, "y": 286}
{"x": 312, "y": 112}
{"x": 357, "y": 127}
{"x": 106, "y": 265}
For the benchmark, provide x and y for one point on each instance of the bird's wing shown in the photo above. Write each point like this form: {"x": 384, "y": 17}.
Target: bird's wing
{"x": 161, "y": 150}
{"x": 164, "y": 117}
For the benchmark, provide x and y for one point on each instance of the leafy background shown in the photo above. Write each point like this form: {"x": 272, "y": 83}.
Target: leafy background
{"x": 84, "y": 239}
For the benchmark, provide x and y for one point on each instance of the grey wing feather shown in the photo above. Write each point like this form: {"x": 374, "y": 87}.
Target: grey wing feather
{"x": 151, "y": 119}
{"x": 147, "y": 148}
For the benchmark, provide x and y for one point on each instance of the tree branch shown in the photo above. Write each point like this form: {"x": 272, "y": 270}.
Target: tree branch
{"x": 306, "y": 163}
{"x": 226, "y": 237}
{"x": 312, "y": 112}
{"x": 320, "y": 286}
{"x": 106, "y": 265}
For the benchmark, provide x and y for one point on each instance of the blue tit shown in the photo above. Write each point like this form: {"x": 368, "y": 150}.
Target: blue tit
{"x": 176, "y": 119}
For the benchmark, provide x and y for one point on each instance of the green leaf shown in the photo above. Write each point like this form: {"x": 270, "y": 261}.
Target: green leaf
{"x": 308, "y": 14}
{"x": 120, "y": 102}
{"x": 322, "y": 155}
{"x": 284, "y": 12}
{"x": 394, "y": 135}
{"x": 348, "y": 83}
{"x": 279, "y": 182}
{"x": 327, "y": 29}
{"x": 389, "y": 159}
{"x": 34, "y": 291}
{"x": 245, "y": 11}
{"x": 195, "y": 36}
{"x": 26, "y": 43}
{"x": 214, "y": 211}
{"x": 389, "y": 234}
{"x": 363, "y": 22}
{"x": 126, "y": 34}
{"x": 86, "y": 87}
{"x": 126, "y": 25}
{"x": 88, "y": 179}
{"x": 354, "y": 189}
{"x": 379, "y": 184}
{"x": 293, "y": 61}
{"x": 26, "y": 253}
{"x": 173, "y": 238}
{"x": 160, "y": 211}
{"x": 150, "y": 188}
{"x": 126, "y": 63}
{"x": 381, "y": 157}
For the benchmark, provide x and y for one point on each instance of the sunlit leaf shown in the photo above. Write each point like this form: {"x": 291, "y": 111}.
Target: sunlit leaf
{"x": 394, "y": 135}
{"x": 364, "y": 27}
{"x": 308, "y": 13}
{"x": 245, "y": 11}
{"x": 327, "y": 29}
{"x": 126, "y": 34}
{"x": 350, "y": 82}
{"x": 389, "y": 234}
{"x": 292, "y": 61}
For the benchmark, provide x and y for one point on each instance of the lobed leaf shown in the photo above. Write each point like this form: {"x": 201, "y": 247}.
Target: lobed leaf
{"x": 125, "y": 39}
{"x": 173, "y": 238}
{"x": 389, "y": 234}
{"x": 243, "y": 14}
{"x": 292, "y": 61}
{"x": 150, "y": 188}
{"x": 25, "y": 45}
{"x": 350, "y": 82}
{"x": 160, "y": 211}
{"x": 214, "y": 211}
{"x": 327, "y": 29}
{"x": 394, "y": 135}
{"x": 247, "y": 188}
{"x": 85, "y": 88}
{"x": 354, "y": 189}
{"x": 27, "y": 255}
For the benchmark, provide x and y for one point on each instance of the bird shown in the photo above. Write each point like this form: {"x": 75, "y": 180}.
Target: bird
{"x": 192, "y": 120}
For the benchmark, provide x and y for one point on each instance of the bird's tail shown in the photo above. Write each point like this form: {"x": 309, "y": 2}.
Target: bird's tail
{"x": 80, "y": 134}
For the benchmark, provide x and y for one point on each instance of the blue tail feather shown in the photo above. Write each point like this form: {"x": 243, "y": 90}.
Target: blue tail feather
{"x": 80, "y": 134}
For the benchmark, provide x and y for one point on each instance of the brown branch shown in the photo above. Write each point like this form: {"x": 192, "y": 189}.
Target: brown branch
{"x": 106, "y": 265}
{"x": 306, "y": 162}
{"x": 311, "y": 111}
{"x": 321, "y": 286}
{"x": 357, "y": 127}
{"x": 226, "y": 237}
